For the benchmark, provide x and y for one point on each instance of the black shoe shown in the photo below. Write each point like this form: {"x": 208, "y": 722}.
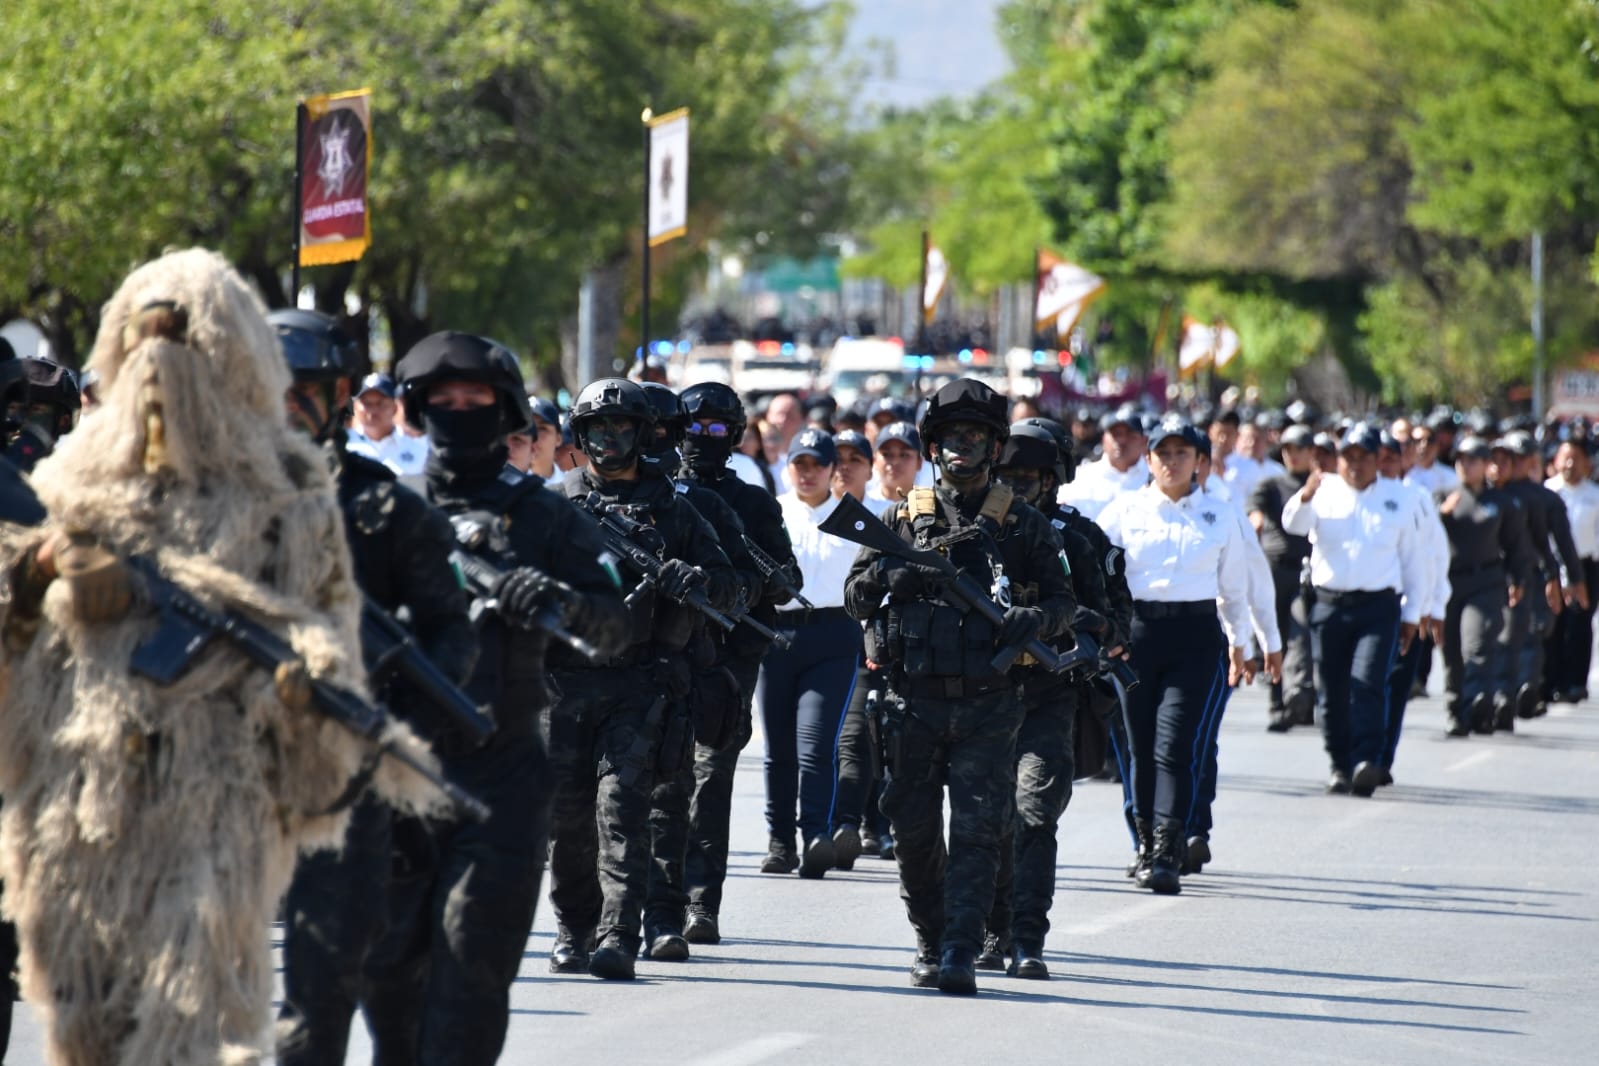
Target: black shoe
{"x": 1387, "y": 777}
{"x": 1457, "y": 728}
{"x": 1365, "y": 779}
{"x": 886, "y": 849}
{"x": 1197, "y": 856}
{"x": 612, "y": 962}
{"x": 992, "y": 957}
{"x": 780, "y": 857}
{"x": 1526, "y": 702}
{"x": 957, "y": 972}
{"x": 818, "y": 859}
{"x": 571, "y": 952}
{"x": 846, "y": 847}
{"x": 1505, "y": 719}
{"x": 1574, "y": 695}
{"x": 1418, "y": 691}
{"x": 1281, "y": 721}
{"x": 663, "y": 944}
{"x": 1027, "y": 961}
{"x": 1138, "y": 869}
{"x": 871, "y": 843}
{"x": 1338, "y": 784}
{"x": 1485, "y": 710}
{"x": 924, "y": 971}
{"x": 700, "y": 927}
{"x": 1165, "y": 862}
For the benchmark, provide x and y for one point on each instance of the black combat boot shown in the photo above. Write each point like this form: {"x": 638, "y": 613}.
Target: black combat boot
{"x": 664, "y": 943}
{"x": 1197, "y": 855}
{"x": 1139, "y": 867}
{"x": 611, "y": 961}
{"x": 571, "y": 951}
{"x": 700, "y": 926}
{"x": 957, "y": 972}
{"x": 846, "y": 847}
{"x": 924, "y": 971}
{"x": 1165, "y": 861}
{"x": 992, "y": 957}
{"x": 1027, "y": 961}
{"x": 781, "y": 857}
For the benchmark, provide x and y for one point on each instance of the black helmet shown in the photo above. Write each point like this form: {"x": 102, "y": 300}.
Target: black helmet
{"x": 53, "y": 384}
{"x": 13, "y": 383}
{"x": 713, "y": 401}
{"x": 1032, "y": 448}
{"x": 966, "y": 400}
{"x": 1065, "y": 446}
{"x": 668, "y": 409}
{"x": 452, "y": 356}
{"x": 613, "y": 396}
{"x": 314, "y": 346}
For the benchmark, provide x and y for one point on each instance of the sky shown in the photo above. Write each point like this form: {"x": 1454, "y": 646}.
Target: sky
{"x": 941, "y": 47}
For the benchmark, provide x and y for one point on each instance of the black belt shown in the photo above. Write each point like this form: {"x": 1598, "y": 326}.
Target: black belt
{"x": 950, "y": 688}
{"x": 1351, "y": 597}
{"x": 1174, "y": 608}
{"x": 1455, "y": 573}
{"x": 802, "y": 617}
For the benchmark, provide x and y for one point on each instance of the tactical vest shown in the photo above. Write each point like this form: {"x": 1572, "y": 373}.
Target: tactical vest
{"x": 931, "y": 637}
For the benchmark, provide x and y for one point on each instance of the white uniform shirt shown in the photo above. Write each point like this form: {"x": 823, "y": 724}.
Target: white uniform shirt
{"x": 1362, "y": 541}
{"x": 824, "y": 559}
{"x": 746, "y": 470}
{"x": 1262, "y": 588}
{"x": 1582, "y": 508}
{"x": 1098, "y": 483}
{"x": 1434, "y": 478}
{"x": 406, "y": 455}
{"x": 1182, "y": 551}
{"x": 1242, "y": 474}
{"x": 1434, "y": 553}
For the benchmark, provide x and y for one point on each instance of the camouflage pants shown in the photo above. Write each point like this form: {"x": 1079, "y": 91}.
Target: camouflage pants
{"x": 969, "y": 745}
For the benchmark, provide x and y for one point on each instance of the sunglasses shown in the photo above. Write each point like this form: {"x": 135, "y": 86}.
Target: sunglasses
{"x": 709, "y": 429}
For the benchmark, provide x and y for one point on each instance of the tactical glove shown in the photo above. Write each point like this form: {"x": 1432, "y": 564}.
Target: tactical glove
{"x": 523, "y": 593}
{"x": 910, "y": 581}
{"x": 101, "y": 585}
{"x": 1088, "y": 620}
{"x": 1021, "y": 624}
{"x": 678, "y": 579}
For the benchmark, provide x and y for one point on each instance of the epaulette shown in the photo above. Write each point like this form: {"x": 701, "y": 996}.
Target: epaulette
{"x": 996, "y": 505}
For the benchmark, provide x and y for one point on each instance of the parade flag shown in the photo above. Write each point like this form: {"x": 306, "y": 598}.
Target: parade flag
{"x": 1198, "y": 347}
{"x": 336, "y": 154}
{"x": 668, "y": 176}
{"x": 935, "y": 275}
{"x": 1063, "y": 292}
{"x": 1227, "y": 345}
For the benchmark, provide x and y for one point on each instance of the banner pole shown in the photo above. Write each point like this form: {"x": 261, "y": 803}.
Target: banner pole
{"x": 295, "y": 209}
{"x": 644, "y": 299}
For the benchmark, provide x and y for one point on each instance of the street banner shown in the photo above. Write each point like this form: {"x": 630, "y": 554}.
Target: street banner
{"x": 668, "y": 176}
{"x": 336, "y": 153}
{"x": 1197, "y": 347}
{"x": 935, "y": 274}
{"x": 1227, "y": 345}
{"x": 1064, "y": 291}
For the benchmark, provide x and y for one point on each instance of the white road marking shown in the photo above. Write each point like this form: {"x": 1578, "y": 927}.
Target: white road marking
{"x": 1475, "y": 759}
{"x": 1121, "y": 916}
{"x": 757, "y": 1050}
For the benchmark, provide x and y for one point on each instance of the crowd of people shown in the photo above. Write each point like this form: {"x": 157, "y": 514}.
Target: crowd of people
{"x": 967, "y": 601}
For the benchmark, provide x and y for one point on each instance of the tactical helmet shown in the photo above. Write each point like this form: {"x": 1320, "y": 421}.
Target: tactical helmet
{"x": 1064, "y": 443}
{"x": 613, "y": 396}
{"x": 53, "y": 384}
{"x": 13, "y": 383}
{"x": 452, "y": 356}
{"x": 1032, "y": 448}
{"x": 668, "y": 410}
{"x": 966, "y": 400}
{"x": 713, "y": 401}
{"x": 314, "y": 345}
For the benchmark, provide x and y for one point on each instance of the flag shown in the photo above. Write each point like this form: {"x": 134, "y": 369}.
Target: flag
{"x": 668, "y": 176}
{"x": 936, "y": 271}
{"x": 1198, "y": 346}
{"x": 1227, "y": 344}
{"x": 335, "y": 162}
{"x": 1063, "y": 291}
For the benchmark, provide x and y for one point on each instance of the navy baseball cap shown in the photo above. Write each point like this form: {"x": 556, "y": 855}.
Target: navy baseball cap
{"x": 1125, "y": 415}
{"x": 903, "y": 432}
{"x": 1298, "y": 436}
{"x": 849, "y": 438}
{"x": 381, "y": 382}
{"x": 1178, "y": 426}
{"x": 1361, "y": 435}
{"x": 816, "y": 444}
{"x": 1517, "y": 442}
{"x": 545, "y": 411}
{"x": 1473, "y": 448}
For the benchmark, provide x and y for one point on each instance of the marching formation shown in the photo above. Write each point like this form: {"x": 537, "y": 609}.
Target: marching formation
{"x": 446, "y": 633}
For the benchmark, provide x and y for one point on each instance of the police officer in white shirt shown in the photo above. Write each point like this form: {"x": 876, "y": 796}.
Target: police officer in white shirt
{"x": 898, "y": 465}
{"x": 1184, "y": 556}
{"x": 1370, "y": 588}
{"x": 803, "y": 691}
{"x": 1121, "y": 469}
{"x": 1570, "y": 652}
{"x": 375, "y": 434}
{"x": 1428, "y": 473}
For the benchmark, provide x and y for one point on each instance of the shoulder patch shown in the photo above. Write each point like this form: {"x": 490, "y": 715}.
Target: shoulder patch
{"x": 1113, "y": 561}
{"x": 680, "y": 487}
{"x": 1057, "y": 523}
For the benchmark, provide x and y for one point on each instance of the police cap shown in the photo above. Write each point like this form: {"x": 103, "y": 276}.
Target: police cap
{"x": 1473, "y": 447}
{"x": 903, "y": 432}
{"x": 1362, "y": 435}
{"x": 1178, "y": 426}
{"x": 1297, "y": 437}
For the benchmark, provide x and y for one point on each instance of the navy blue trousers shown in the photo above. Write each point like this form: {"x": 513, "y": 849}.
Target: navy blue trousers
{"x": 1182, "y": 673}
{"x": 1354, "y": 641}
{"x": 803, "y": 693}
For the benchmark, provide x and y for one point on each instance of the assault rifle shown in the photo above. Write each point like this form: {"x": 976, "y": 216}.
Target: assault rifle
{"x": 189, "y": 626}
{"x": 852, "y": 521}
{"x": 620, "y": 532}
{"x": 773, "y": 571}
{"x": 388, "y": 648}
{"x": 481, "y": 575}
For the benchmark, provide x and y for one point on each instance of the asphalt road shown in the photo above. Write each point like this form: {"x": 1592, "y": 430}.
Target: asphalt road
{"x": 1454, "y": 914}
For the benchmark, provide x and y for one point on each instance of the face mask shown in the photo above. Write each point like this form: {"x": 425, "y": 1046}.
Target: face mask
{"x": 462, "y": 433}
{"x": 707, "y": 455}
{"x": 611, "y": 444}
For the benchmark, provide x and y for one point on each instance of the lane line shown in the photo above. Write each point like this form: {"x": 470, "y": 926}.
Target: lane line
{"x": 1106, "y": 922}
{"x": 1469, "y": 761}
{"x": 757, "y": 1050}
